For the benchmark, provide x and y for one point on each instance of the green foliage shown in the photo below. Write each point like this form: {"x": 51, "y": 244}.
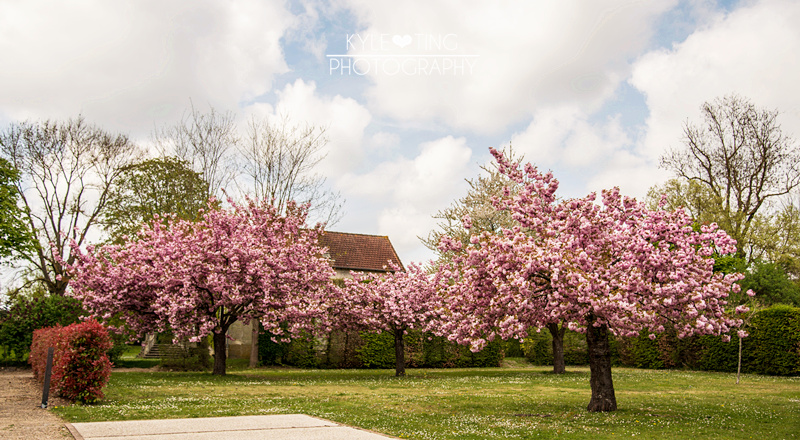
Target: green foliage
{"x": 774, "y": 343}
{"x": 302, "y": 353}
{"x": 490, "y": 356}
{"x": 513, "y": 348}
{"x": 377, "y": 351}
{"x": 154, "y": 187}
{"x": 640, "y": 352}
{"x": 773, "y": 347}
{"x": 538, "y": 348}
{"x": 716, "y": 355}
{"x": 28, "y": 314}
{"x": 771, "y": 284}
{"x": 120, "y": 342}
{"x": 437, "y": 353}
{"x": 15, "y": 234}
{"x": 269, "y": 351}
{"x": 729, "y": 264}
{"x": 188, "y": 357}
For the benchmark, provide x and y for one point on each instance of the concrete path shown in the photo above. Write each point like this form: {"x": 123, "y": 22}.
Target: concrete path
{"x": 273, "y": 427}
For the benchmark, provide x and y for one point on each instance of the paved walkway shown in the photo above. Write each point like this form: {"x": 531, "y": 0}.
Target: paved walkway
{"x": 21, "y": 413}
{"x": 273, "y": 427}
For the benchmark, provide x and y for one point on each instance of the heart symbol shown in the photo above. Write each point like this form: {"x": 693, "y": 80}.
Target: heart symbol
{"x": 402, "y": 41}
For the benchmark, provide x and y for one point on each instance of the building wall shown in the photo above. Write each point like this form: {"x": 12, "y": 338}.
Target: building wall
{"x": 239, "y": 347}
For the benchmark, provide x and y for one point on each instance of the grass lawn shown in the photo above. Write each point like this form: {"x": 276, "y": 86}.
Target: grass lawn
{"x": 517, "y": 401}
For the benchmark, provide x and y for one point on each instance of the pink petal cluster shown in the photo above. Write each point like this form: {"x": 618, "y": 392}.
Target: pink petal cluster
{"x": 577, "y": 261}
{"x": 245, "y": 263}
{"x": 397, "y": 301}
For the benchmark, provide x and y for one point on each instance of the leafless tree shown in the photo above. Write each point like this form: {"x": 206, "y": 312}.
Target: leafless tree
{"x": 280, "y": 160}
{"x": 206, "y": 141}
{"x": 741, "y": 157}
{"x": 66, "y": 171}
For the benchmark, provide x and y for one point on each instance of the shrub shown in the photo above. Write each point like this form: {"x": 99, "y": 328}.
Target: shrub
{"x": 773, "y": 346}
{"x": 490, "y": 356}
{"x": 377, "y": 351}
{"x": 27, "y": 314}
{"x": 640, "y": 352}
{"x": 538, "y": 348}
{"x": 187, "y": 356}
{"x": 81, "y": 367}
{"x": 269, "y": 351}
{"x": 302, "y": 352}
{"x": 351, "y": 349}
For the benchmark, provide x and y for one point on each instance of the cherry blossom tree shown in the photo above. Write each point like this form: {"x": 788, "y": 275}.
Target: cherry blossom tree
{"x": 198, "y": 278}
{"x": 610, "y": 267}
{"x": 395, "y": 302}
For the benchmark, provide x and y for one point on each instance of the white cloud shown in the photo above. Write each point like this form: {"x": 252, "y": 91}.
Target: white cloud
{"x": 530, "y": 55}
{"x": 752, "y": 51}
{"x": 407, "y": 192}
{"x": 588, "y": 155}
{"x": 343, "y": 119}
{"x": 126, "y": 64}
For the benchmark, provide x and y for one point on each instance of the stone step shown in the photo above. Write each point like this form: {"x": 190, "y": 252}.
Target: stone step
{"x": 165, "y": 350}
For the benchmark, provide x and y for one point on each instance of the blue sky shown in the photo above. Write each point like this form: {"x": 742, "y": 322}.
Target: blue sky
{"x": 594, "y": 90}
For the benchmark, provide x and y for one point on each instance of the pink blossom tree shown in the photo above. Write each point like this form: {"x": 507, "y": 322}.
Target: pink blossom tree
{"x": 198, "y": 278}
{"x": 395, "y": 302}
{"x": 611, "y": 267}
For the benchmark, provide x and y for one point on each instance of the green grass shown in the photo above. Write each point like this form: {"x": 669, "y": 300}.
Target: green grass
{"x": 129, "y": 359}
{"x": 488, "y": 403}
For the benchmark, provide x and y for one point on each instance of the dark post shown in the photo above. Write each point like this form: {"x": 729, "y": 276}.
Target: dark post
{"x": 48, "y": 369}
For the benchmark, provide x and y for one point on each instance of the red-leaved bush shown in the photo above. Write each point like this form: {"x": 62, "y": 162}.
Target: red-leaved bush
{"x": 81, "y": 366}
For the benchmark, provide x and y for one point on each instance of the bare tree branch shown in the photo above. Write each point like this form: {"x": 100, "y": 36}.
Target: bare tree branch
{"x": 204, "y": 140}
{"x": 67, "y": 169}
{"x": 741, "y": 156}
{"x": 280, "y": 160}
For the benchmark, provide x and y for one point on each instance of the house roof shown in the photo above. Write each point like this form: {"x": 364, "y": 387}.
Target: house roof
{"x": 360, "y": 252}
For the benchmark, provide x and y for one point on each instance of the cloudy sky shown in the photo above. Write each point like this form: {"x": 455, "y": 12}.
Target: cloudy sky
{"x": 412, "y": 93}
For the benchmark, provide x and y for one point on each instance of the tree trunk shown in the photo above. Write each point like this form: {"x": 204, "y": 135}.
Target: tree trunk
{"x": 220, "y": 353}
{"x": 739, "y": 364}
{"x": 559, "y": 366}
{"x": 399, "y": 354}
{"x": 603, "y": 398}
{"x": 254, "y": 345}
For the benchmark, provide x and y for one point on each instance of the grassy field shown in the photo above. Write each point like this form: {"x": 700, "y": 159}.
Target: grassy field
{"x": 517, "y": 401}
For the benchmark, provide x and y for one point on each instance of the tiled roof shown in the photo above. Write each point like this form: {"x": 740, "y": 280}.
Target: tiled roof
{"x": 359, "y": 251}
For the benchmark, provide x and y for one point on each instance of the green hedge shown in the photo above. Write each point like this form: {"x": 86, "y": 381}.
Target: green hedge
{"x": 538, "y": 348}
{"x": 773, "y": 347}
{"x": 374, "y": 350}
{"x": 774, "y": 343}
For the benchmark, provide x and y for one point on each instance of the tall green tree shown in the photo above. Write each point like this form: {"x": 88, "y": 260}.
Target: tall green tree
{"x": 155, "y": 187}
{"x": 771, "y": 284}
{"x": 16, "y": 237}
